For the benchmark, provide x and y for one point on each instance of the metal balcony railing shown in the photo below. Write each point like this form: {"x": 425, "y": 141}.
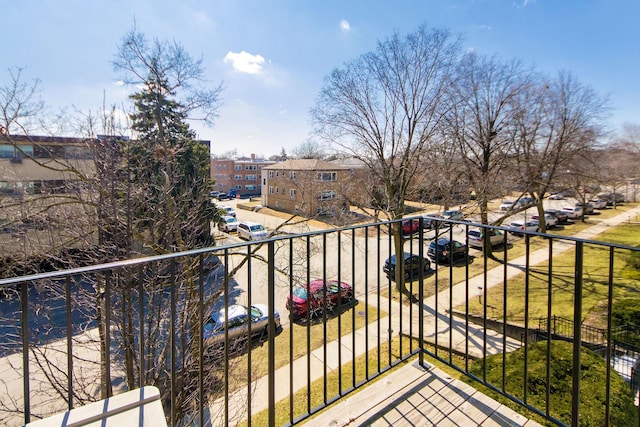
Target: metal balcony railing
{"x": 173, "y": 322}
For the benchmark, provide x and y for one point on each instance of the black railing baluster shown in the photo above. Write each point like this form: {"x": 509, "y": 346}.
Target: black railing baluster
{"x": 549, "y": 311}
{"x": 527, "y": 285}
{"x": 378, "y": 323}
{"x": 324, "y": 316}
{"x": 271, "y": 304}
{"x": 24, "y": 330}
{"x": 353, "y": 312}
{"x": 291, "y": 243}
{"x": 577, "y": 334}
{"x": 250, "y": 332}
{"x": 609, "y": 340}
{"x": 67, "y": 293}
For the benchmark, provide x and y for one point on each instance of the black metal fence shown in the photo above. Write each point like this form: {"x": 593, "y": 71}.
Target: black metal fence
{"x": 176, "y": 322}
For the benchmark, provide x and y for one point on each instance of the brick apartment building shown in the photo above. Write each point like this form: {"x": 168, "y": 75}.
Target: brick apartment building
{"x": 35, "y": 164}
{"x": 242, "y": 175}
{"x": 306, "y": 186}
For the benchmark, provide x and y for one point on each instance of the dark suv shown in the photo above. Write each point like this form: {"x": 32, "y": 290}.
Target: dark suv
{"x": 411, "y": 266}
{"x": 445, "y": 250}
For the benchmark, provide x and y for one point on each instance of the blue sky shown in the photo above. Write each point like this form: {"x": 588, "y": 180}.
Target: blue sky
{"x": 272, "y": 55}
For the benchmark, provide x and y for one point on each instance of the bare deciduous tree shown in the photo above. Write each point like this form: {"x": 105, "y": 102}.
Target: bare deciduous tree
{"x": 479, "y": 120}
{"x": 384, "y": 106}
{"x": 558, "y": 122}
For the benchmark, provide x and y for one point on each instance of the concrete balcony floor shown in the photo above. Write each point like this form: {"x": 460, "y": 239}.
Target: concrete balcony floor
{"x": 415, "y": 396}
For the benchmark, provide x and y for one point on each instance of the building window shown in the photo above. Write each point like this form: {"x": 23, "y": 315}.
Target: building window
{"x": 250, "y": 187}
{"x": 77, "y": 152}
{"x": 250, "y": 167}
{"x": 276, "y": 190}
{"x": 277, "y": 173}
{"x": 250, "y": 177}
{"x": 270, "y": 189}
{"x": 327, "y": 176}
{"x": 270, "y": 174}
{"x": 238, "y": 187}
{"x": 6, "y": 151}
{"x": 238, "y": 167}
{"x": 238, "y": 177}
{"x": 327, "y": 195}
{"x": 292, "y": 193}
{"x": 292, "y": 176}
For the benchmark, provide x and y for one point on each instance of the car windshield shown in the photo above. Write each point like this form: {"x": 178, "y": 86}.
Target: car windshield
{"x": 475, "y": 233}
{"x": 300, "y": 292}
{"x": 256, "y": 313}
{"x": 257, "y": 227}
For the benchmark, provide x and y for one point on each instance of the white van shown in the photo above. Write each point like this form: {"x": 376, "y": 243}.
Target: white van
{"x": 251, "y": 231}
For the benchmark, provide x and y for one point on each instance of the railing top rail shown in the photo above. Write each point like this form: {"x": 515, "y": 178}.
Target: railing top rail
{"x": 207, "y": 250}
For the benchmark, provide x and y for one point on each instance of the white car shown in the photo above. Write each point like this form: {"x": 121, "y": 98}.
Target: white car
{"x": 228, "y": 223}
{"x": 573, "y": 212}
{"x": 599, "y": 203}
{"x": 506, "y": 205}
{"x": 228, "y": 210}
{"x": 549, "y": 220}
{"x": 519, "y": 226}
{"x": 251, "y": 231}
{"x": 476, "y": 237}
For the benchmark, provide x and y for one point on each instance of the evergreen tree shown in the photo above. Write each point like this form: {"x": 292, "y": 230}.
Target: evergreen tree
{"x": 171, "y": 172}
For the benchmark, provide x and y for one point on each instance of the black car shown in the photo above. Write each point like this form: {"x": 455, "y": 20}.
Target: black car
{"x": 411, "y": 266}
{"x": 445, "y": 250}
{"x": 563, "y": 218}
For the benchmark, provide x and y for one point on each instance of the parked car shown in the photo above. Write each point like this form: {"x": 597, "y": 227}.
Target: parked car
{"x": 228, "y": 223}
{"x": 251, "y": 230}
{"x": 611, "y": 197}
{"x": 320, "y": 296}
{"x": 520, "y": 203}
{"x": 573, "y": 212}
{"x": 476, "y": 237}
{"x": 599, "y": 203}
{"x": 431, "y": 222}
{"x": 228, "y": 211}
{"x": 237, "y": 319}
{"x": 410, "y": 226}
{"x": 507, "y": 205}
{"x": 556, "y": 196}
{"x": 561, "y": 215}
{"x": 214, "y": 194}
{"x": 588, "y": 208}
{"x": 550, "y": 220}
{"x": 518, "y": 227}
{"x": 445, "y": 250}
{"x": 411, "y": 266}
{"x": 453, "y": 215}
{"x": 226, "y": 196}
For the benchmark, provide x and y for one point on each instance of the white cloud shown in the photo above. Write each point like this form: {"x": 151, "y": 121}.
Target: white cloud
{"x": 344, "y": 25}
{"x": 244, "y": 62}
{"x": 482, "y": 27}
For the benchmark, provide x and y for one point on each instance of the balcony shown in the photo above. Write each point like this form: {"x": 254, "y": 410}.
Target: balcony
{"x": 372, "y": 356}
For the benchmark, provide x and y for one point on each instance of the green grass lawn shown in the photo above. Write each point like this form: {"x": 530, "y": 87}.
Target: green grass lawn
{"x": 595, "y": 283}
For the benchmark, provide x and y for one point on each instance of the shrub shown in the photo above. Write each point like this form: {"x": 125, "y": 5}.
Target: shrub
{"x": 626, "y": 312}
{"x": 592, "y": 382}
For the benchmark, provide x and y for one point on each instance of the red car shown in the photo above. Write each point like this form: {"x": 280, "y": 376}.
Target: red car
{"x": 336, "y": 292}
{"x": 410, "y": 226}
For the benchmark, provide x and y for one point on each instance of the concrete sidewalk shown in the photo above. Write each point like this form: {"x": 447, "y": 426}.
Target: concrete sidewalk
{"x": 464, "y": 338}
